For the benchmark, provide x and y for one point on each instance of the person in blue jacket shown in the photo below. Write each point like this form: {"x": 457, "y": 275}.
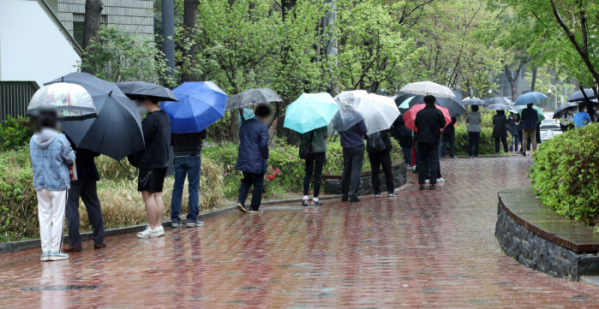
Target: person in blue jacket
{"x": 582, "y": 118}
{"x": 251, "y": 158}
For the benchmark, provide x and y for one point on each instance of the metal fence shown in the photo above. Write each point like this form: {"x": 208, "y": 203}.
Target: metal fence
{"x": 14, "y": 98}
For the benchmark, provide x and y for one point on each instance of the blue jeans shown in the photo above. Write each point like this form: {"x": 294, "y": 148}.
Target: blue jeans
{"x": 190, "y": 167}
{"x": 407, "y": 155}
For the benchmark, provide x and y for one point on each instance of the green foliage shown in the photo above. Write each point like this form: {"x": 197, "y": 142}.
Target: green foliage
{"x": 119, "y": 56}
{"x": 14, "y": 133}
{"x": 565, "y": 173}
{"x": 486, "y": 145}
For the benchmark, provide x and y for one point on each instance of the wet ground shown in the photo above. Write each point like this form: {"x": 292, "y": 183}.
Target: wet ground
{"x": 420, "y": 249}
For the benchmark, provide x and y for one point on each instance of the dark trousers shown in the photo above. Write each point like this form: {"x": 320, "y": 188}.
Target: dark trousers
{"x": 353, "y": 158}
{"x": 503, "y": 141}
{"x": 473, "y": 141}
{"x": 384, "y": 159}
{"x": 448, "y": 140}
{"x": 407, "y": 155}
{"x": 249, "y": 180}
{"x": 429, "y": 158}
{"x": 315, "y": 164}
{"x": 515, "y": 142}
{"x": 88, "y": 193}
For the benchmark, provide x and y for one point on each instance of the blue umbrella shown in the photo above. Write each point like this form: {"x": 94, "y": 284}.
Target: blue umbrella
{"x": 200, "y": 105}
{"x": 530, "y": 98}
{"x": 310, "y": 111}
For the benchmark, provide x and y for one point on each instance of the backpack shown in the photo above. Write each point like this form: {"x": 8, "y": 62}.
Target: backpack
{"x": 305, "y": 151}
{"x": 375, "y": 142}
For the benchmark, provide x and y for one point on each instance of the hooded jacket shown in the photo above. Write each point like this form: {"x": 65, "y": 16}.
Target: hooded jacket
{"x": 253, "y": 147}
{"x": 51, "y": 155}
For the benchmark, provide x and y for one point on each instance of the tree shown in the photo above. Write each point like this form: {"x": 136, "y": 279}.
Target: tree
{"x": 91, "y": 25}
{"x": 512, "y": 77}
{"x": 190, "y": 15}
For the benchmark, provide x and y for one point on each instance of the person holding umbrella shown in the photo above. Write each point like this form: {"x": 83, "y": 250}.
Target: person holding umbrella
{"x": 352, "y": 141}
{"x": 153, "y": 163}
{"x": 449, "y": 139}
{"x": 473, "y": 120}
{"x": 379, "y": 153}
{"x": 529, "y": 127}
{"x": 513, "y": 121}
{"x": 500, "y": 126}
{"x": 252, "y": 156}
{"x": 429, "y": 122}
{"x": 404, "y": 136}
{"x": 315, "y": 140}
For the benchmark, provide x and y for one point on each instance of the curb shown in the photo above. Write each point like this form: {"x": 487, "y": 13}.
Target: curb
{"x": 15, "y": 246}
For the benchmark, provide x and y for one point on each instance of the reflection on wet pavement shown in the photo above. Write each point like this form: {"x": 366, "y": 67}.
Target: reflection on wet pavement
{"x": 420, "y": 249}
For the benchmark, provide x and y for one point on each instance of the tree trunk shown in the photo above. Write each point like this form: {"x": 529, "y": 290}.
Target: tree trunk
{"x": 512, "y": 79}
{"x": 533, "y": 83}
{"x": 91, "y": 25}
{"x": 190, "y": 14}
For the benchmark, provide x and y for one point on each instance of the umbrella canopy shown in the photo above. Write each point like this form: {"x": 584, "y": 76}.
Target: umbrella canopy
{"x": 410, "y": 116}
{"x": 200, "y": 105}
{"x": 501, "y": 107}
{"x": 497, "y": 100}
{"x": 539, "y": 110}
{"x": 428, "y": 88}
{"x": 345, "y": 118}
{"x": 402, "y": 97}
{"x": 116, "y": 132}
{"x": 142, "y": 89}
{"x": 455, "y": 108}
{"x": 310, "y": 111}
{"x": 474, "y": 101}
{"x": 410, "y": 101}
{"x": 530, "y": 98}
{"x": 579, "y": 97}
{"x": 561, "y": 110}
{"x": 379, "y": 112}
{"x": 252, "y": 97}
{"x": 72, "y": 101}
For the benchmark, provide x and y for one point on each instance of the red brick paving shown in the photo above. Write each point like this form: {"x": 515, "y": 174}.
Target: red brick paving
{"x": 421, "y": 249}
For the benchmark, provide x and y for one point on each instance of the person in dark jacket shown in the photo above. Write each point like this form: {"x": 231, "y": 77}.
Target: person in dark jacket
{"x": 252, "y": 156}
{"x": 317, "y": 139}
{"x": 380, "y": 157}
{"x": 500, "y": 126}
{"x": 187, "y": 148}
{"x": 448, "y": 137}
{"x": 474, "y": 128}
{"x": 352, "y": 141}
{"x": 429, "y": 121}
{"x": 404, "y": 136}
{"x": 529, "y": 127}
{"x": 513, "y": 121}
{"x": 153, "y": 163}
{"x": 84, "y": 187}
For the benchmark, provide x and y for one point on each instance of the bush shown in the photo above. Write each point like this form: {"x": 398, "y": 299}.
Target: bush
{"x": 14, "y": 133}
{"x": 565, "y": 173}
{"x": 122, "y": 205}
{"x": 486, "y": 145}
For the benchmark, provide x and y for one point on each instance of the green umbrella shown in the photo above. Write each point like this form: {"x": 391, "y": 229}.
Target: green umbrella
{"x": 539, "y": 112}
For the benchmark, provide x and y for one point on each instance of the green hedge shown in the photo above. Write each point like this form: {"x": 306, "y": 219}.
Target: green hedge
{"x": 486, "y": 145}
{"x": 565, "y": 173}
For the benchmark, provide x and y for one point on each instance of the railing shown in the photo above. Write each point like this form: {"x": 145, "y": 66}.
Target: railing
{"x": 60, "y": 26}
{"x": 15, "y": 97}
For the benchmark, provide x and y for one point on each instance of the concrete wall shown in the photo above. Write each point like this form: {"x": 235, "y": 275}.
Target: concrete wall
{"x": 31, "y": 46}
{"x": 135, "y": 16}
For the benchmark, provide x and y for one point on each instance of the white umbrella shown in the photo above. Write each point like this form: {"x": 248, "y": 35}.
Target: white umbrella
{"x": 379, "y": 111}
{"x": 428, "y": 88}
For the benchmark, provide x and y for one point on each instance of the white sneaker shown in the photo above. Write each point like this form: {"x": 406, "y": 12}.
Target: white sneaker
{"x": 150, "y": 233}
{"x": 141, "y": 233}
{"x": 440, "y": 180}
{"x": 57, "y": 256}
{"x": 160, "y": 230}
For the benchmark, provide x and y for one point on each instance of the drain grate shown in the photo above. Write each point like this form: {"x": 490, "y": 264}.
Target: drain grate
{"x": 64, "y": 287}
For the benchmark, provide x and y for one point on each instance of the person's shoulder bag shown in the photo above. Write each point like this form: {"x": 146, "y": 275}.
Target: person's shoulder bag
{"x": 305, "y": 151}
{"x": 375, "y": 142}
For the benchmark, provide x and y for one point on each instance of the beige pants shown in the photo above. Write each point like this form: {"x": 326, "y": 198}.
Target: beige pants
{"x": 50, "y": 209}
{"x": 532, "y": 133}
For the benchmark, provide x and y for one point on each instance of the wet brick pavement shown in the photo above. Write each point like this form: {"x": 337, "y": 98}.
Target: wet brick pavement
{"x": 421, "y": 249}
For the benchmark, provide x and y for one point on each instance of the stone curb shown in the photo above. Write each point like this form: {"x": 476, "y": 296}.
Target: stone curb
{"x": 15, "y": 246}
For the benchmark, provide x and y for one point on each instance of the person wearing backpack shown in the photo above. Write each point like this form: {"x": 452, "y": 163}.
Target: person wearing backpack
{"x": 313, "y": 149}
{"x": 379, "y": 146}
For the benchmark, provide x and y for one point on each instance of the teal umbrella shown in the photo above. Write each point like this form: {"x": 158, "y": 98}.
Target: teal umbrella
{"x": 310, "y": 111}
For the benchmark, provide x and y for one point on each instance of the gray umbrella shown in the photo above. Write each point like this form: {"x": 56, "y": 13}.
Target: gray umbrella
{"x": 116, "y": 132}
{"x": 474, "y": 102}
{"x": 498, "y": 100}
{"x": 142, "y": 89}
{"x": 252, "y": 97}
{"x": 501, "y": 107}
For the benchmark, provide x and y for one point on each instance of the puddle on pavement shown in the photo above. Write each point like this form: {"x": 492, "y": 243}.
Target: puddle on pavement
{"x": 63, "y": 287}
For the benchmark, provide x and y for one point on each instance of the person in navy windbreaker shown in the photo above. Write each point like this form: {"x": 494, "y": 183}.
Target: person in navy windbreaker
{"x": 251, "y": 159}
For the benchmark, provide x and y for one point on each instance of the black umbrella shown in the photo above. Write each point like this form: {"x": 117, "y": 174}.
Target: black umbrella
{"x": 579, "y": 97}
{"x": 559, "y": 112}
{"x": 116, "y": 132}
{"x": 402, "y": 96}
{"x": 455, "y": 109}
{"x": 501, "y": 107}
{"x": 142, "y": 89}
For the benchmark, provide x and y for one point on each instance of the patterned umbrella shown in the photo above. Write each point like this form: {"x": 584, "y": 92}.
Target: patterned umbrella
{"x": 71, "y": 101}
{"x": 252, "y": 97}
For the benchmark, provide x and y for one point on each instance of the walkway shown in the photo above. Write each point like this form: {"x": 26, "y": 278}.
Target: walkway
{"x": 421, "y": 249}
